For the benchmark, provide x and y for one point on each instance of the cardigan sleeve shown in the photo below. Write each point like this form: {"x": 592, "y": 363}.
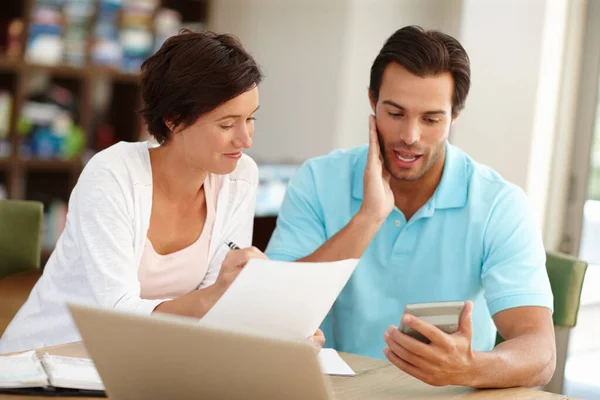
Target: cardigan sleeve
{"x": 103, "y": 216}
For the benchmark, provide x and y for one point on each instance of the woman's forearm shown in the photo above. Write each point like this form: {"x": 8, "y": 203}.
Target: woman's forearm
{"x": 195, "y": 304}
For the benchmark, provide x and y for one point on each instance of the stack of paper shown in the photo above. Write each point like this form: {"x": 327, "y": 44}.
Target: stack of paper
{"x": 284, "y": 300}
{"x": 332, "y": 364}
{"x": 280, "y": 299}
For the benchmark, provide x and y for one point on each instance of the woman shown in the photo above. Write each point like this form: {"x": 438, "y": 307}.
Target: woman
{"x": 147, "y": 224}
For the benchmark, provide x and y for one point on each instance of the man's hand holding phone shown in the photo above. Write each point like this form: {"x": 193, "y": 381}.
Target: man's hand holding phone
{"x": 427, "y": 352}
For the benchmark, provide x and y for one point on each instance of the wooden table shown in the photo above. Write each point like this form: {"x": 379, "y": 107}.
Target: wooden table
{"x": 374, "y": 380}
{"x": 379, "y": 380}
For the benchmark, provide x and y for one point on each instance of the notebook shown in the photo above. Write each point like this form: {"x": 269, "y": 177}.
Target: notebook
{"x": 40, "y": 373}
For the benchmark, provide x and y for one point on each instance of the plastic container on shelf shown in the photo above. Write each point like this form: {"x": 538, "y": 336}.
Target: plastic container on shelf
{"x": 78, "y": 16}
{"x": 137, "y": 45}
{"x": 45, "y": 44}
{"x": 136, "y": 36}
{"x": 167, "y": 23}
{"x": 106, "y": 49}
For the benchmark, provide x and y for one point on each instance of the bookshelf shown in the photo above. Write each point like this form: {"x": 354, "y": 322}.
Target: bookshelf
{"x": 52, "y": 178}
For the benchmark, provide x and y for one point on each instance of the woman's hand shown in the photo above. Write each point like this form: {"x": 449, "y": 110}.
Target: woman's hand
{"x": 233, "y": 264}
{"x": 318, "y": 339}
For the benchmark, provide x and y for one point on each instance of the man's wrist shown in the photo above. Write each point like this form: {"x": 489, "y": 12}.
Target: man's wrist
{"x": 476, "y": 376}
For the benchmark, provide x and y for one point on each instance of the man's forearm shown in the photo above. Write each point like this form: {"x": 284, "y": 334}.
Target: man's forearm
{"x": 350, "y": 242}
{"x": 523, "y": 361}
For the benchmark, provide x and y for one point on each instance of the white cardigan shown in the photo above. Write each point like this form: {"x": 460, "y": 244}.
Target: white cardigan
{"x": 97, "y": 257}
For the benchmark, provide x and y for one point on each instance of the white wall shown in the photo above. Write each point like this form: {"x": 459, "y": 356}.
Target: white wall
{"x": 299, "y": 45}
{"x": 517, "y": 51}
{"x": 317, "y": 57}
{"x": 370, "y": 23}
{"x": 503, "y": 39}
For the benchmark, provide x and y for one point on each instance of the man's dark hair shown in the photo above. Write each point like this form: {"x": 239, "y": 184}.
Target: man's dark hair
{"x": 192, "y": 74}
{"x": 425, "y": 53}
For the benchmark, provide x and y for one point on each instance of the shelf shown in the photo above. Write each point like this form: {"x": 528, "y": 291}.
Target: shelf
{"x": 36, "y": 164}
{"x": 57, "y": 70}
{"x": 7, "y": 64}
{"x": 53, "y": 164}
{"x": 115, "y": 75}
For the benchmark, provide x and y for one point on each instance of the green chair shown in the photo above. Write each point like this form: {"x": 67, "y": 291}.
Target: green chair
{"x": 20, "y": 236}
{"x": 566, "y": 275}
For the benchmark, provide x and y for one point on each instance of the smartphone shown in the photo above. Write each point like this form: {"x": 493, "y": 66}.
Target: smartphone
{"x": 444, "y": 315}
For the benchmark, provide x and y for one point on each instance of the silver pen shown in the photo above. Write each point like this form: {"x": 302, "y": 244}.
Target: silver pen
{"x": 232, "y": 245}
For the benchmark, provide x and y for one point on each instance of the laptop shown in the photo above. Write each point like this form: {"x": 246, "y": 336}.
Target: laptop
{"x": 170, "y": 357}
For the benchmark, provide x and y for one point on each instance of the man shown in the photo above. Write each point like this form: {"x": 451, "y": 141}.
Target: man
{"x": 429, "y": 224}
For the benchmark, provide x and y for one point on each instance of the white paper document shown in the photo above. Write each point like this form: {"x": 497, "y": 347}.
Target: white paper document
{"x": 332, "y": 364}
{"x": 286, "y": 300}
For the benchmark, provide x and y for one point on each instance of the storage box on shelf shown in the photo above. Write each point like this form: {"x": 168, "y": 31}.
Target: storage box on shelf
{"x": 69, "y": 87}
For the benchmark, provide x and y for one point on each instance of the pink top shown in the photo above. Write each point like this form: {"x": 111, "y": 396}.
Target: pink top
{"x": 172, "y": 275}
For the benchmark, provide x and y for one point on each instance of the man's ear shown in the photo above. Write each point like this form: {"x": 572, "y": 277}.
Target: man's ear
{"x": 372, "y": 101}
{"x": 454, "y": 119}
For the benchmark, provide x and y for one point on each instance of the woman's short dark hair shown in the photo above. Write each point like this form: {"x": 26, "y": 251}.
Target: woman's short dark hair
{"x": 192, "y": 74}
{"x": 425, "y": 53}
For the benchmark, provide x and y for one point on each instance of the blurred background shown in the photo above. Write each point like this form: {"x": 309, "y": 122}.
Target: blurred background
{"x": 69, "y": 87}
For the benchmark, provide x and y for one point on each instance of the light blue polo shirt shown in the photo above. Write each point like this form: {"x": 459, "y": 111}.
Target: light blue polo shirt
{"x": 475, "y": 239}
